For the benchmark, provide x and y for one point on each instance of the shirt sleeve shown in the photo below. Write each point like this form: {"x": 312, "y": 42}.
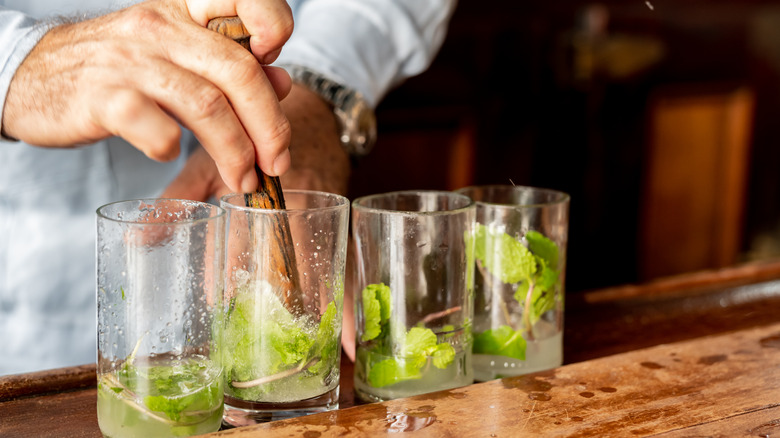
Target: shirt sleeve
{"x": 368, "y": 45}
{"x": 19, "y": 33}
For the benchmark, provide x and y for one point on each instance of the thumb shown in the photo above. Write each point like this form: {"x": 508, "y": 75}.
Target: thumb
{"x": 198, "y": 180}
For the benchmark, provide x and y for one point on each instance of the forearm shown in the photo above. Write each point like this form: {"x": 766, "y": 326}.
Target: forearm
{"x": 318, "y": 161}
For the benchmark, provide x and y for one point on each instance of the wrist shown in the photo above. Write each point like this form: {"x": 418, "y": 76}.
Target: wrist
{"x": 355, "y": 118}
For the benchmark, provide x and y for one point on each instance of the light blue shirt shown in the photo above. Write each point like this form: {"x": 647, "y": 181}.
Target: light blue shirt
{"x": 48, "y": 197}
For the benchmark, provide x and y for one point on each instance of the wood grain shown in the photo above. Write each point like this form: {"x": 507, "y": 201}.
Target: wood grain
{"x": 724, "y": 383}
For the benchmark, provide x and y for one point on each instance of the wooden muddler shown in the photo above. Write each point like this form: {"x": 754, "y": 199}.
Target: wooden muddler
{"x": 269, "y": 195}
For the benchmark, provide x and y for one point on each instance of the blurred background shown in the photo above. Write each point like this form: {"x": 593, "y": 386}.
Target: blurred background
{"x": 659, "y": 119}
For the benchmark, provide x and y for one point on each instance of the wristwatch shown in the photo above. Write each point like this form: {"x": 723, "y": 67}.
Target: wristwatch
{"x": 355, "y": 117}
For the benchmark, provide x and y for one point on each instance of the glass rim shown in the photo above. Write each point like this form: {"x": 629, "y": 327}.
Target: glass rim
{"x": 356, "y": 204}
{"x": 561, "y": 196}
{"x": 341, "y": 202}
{"x": 219, "y": 212}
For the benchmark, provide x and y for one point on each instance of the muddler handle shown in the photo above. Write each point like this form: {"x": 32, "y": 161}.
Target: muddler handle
{"x": 269, "y": 195}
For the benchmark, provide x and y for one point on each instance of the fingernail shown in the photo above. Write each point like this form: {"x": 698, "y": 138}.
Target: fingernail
{"x": 249, "y": 183}
{"x": 282, "y": 162}
{"x": 270, "y": 57}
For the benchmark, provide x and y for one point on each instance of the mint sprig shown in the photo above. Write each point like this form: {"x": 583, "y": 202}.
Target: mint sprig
{"x": 172, "y": 390}
{"x": 263, "y": 341}
{"x": 376, "y": 310}
{"x": 415, "y": 348}
{"x": 501, "y": 341}
{"x": 533, "y": 267}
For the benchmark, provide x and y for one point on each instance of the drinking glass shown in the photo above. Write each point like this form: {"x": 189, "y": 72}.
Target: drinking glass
{"x": 520, "y": 260}
{"x": 159, "y": 293}
{"x": 413, "y": 296}
{"x": 283, "y": 306}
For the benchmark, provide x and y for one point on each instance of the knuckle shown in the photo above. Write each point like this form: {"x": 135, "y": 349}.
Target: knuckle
{"x": 208, "y": 101}
{"x": 143, "y": 19}
{"x": 244, "y": 70}
{"x": 279, "y": 136}
{"x": 167, "y": 144}
{"x": 125, "y": 106}
{"x": 281, "y": 29}
{"x": 163, "y": 147}
{"x": 239, "y": 162}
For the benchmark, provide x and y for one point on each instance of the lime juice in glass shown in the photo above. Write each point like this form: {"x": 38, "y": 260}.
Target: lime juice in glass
{"x": 164, "y": 399}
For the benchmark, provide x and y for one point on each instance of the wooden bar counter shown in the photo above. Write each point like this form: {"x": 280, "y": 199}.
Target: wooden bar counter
{"x": 694, "y": 355}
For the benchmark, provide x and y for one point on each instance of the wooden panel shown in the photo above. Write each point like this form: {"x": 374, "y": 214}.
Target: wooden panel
{"x": 693, "y": 197}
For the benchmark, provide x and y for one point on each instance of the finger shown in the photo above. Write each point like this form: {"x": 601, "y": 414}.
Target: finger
{"x": 208, "y": 113}
{"x": 279, "y": 79}
{"x": 130, "y": 114}
{"x": 270, "y": 22}
{"x": 241, "y": 78}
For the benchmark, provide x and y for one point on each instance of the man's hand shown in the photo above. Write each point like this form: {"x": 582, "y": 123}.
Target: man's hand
{"x": 319, "y": 162}
{"x": 137, "y": 72}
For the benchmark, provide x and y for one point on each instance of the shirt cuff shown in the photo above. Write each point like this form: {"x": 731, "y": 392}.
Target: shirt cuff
{"x": 19, "y": 33}
{"x": 367, "y": 45}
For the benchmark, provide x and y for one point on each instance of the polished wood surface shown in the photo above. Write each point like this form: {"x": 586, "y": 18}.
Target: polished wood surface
{"x": 727, "y": 384}
{"x": 693, "y": 355}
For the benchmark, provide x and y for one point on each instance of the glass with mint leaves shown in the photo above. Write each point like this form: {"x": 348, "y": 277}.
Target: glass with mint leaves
{"x": 413, "y": 294}
{"x": 283, "y": 307}
{"x": 160, "y": 265}
{"x": 520, "y": 259}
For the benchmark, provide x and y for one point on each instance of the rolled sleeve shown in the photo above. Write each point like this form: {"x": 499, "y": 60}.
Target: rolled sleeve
{"x": 369, "y": 45}
{"x": 19, "y": 33}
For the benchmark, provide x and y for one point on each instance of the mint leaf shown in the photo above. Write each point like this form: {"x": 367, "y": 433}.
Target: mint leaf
{"x": 390, "y": 371}
{"x": 443, "y": 355}
{"x": 543, "y": 248}
{"x": 327, "y": 338}
{"x": 533, "y": 269}
{"x": 376, "y": 309}
{"x": 372, "y": 316}
{"x": 417, "y": 346}
{"x": 501, "y": 341}
{"x": 263, "y": 338}
{"x": 171, "y": 407}
{"x": 503, "y": 256}
{"x": 189, "y": 388}
{"x": 547, "y": 277}
{"x": 419, "y": 342}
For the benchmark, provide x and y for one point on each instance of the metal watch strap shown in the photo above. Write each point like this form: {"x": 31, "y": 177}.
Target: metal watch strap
{"x": 355, "y": 117}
